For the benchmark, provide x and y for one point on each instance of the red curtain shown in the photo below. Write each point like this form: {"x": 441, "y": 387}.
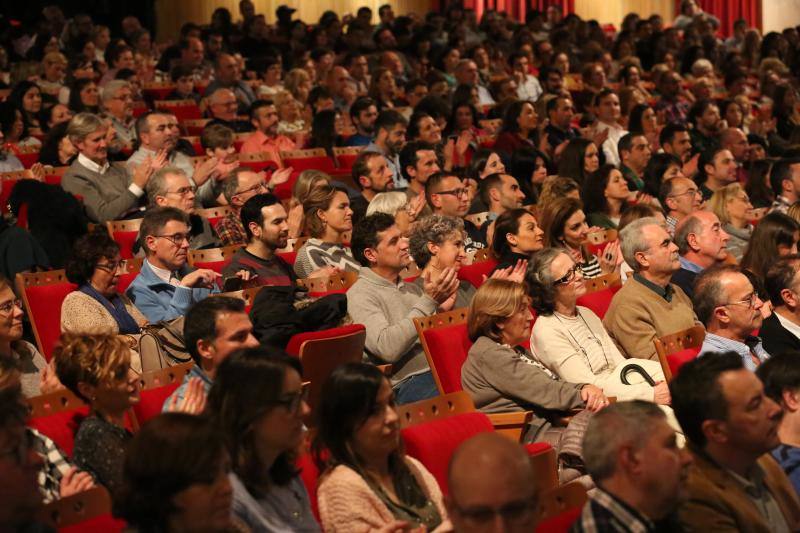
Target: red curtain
{"x": 728, "y": 11}
{"x": 517, "y": 9}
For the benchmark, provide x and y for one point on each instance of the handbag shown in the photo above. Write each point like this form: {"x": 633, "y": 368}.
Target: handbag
{"x": 162, "y": 345}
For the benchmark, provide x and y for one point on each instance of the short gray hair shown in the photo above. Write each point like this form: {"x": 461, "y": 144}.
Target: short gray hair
{"x": 632, "y": 241}
{"x": 112, "y": 88}
{"x": 230, "y": 185}
{"x": 84, "y": 124}
{"x": 387, "y": 202}
{"x": 688, "y": 226}
{"x": 619, "y": 424}
{"x": 157, "y": 184}
{"x": 432, "y": 229}
{"x": 213, "y": 97}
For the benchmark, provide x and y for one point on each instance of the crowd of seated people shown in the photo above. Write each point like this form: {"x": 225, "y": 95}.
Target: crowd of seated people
{"x": 495, "y": 176}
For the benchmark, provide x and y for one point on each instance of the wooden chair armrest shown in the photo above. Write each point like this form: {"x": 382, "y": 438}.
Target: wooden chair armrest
{"x": 512, "y": 425}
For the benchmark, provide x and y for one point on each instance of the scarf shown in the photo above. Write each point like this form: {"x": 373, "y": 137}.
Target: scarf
{"x": 126, "y": 323}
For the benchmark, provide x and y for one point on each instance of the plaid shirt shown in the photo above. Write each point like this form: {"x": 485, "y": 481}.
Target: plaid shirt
{"x": 604, "y": 513}
{"x": 56, "y": 465}
{"x": 230, "y": 230}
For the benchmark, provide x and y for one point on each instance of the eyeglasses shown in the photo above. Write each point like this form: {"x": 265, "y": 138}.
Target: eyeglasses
{"x": 7, "y": 307}
{"x": 568, "y": 277}
{"x": 458, "y": 193}
{"x": 750, "y": 301}
{"x": 19, "y": 451}
{"x": 693, "y": 192}
{"x": 518, "y": 513}
{"x": 292, "y": 402}
{"x": 260, "y": 186}
{"x": 184, "y": 191}
{"x": 177, "y": 238}
{"x": 114, "y": 265}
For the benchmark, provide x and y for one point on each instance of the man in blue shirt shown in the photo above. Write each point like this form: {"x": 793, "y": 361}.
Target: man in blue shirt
{"x": 701, "y": 244}
{"x": 727, "y": 304}
{"x": 363, "y": 114}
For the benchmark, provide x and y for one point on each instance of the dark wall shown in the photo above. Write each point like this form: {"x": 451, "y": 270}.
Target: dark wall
{"x": 107, "y": 12}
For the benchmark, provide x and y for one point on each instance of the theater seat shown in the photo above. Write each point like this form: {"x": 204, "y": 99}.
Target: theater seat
{"x": 444, "y": 339}
{"x": 58, "y": 415}
{"x": 156, "y": 387}
{"x": 678, "y": 348}
{"x": 43, "y": 293}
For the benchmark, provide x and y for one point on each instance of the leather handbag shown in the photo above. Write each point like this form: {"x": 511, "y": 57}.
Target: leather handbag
{"x": 161, "y": 345}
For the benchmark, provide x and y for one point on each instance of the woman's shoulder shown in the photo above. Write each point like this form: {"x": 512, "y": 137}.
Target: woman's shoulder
{"x": 484, "y": 345}
{"x": 339, "y": 477}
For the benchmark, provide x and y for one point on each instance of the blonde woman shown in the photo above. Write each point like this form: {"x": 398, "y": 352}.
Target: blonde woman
{"x": 397, "y": 204}
{"x": 307, "y": 180}
{"x": 97, "y": 368}
{"x": 502, "y": 376}
{"x": 734, "y": 210}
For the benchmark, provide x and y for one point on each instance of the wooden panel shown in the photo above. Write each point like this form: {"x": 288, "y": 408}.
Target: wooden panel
{"x": 614, "y": 12}
{"x": 171, "y": 14}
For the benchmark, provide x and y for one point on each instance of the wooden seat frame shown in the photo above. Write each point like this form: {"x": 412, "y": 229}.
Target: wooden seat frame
{"x": 688, "y": 338}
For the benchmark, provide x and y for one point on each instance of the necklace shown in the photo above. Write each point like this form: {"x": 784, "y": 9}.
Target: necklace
{"x": 580, "y": 346}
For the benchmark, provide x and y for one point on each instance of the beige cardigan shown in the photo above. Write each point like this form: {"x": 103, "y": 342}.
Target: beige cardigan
{"x": 347, "y": 504}
{"x": 80, "y": 313}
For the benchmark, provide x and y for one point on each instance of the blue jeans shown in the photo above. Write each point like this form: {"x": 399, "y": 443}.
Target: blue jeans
{"x": 416, "y": 388}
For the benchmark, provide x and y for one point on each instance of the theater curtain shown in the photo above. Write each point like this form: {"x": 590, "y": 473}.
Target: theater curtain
{"x": 517, "y": 9}
{"x": 728, "y": 11}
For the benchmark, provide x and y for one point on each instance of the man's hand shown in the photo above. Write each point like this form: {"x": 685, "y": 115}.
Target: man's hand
{"x": 324, "y": 272}
{"x": 142, "y": 172}
{"x": 200, "y": 278}
{"x": 194, "y": 401}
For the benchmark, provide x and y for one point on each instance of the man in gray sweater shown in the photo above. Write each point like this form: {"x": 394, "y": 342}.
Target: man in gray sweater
{"x": 109, "y": 192}
{"x": 387, "y": 306}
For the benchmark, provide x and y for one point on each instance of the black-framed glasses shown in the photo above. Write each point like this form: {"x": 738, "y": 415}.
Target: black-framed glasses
{"x": 113, "y": 266}
{"x": 750, "y": 301}
{"x": 693, "y": 192}
{"x": 568, "y": 277}
{"x": 516, "y": 512}
{"x": 291, "y": 402}
{"x": 177, "y": 238}
{"x": 260, "y": 186}
{"x": 8, "y": 307}
{"x": 183, "y": 191}
{"x": 458, "y": 193}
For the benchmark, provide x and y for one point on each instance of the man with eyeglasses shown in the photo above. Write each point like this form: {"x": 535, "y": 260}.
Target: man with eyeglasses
{"x": 679, "y": 197}
{"x": 728, "y": 306}
{"x": 447, "y": 195}
{"x": 166, "y": 287}
{"x": 222, "y": 108}
{"x": 169, "y": 187}
{"x": 242, "y": 184}
{"x": 492, "y": 486}
{"x": 633, "y": 456}
{"x": 117, "y": 106}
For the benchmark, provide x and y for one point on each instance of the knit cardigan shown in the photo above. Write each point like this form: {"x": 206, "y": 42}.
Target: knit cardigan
{"x": 638, "y": 315}
{"x": 82, "y": 314}
{"x": 347, "y": 504}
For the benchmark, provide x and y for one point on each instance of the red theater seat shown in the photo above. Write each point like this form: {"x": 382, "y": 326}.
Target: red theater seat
{"x": 43, "y": 293}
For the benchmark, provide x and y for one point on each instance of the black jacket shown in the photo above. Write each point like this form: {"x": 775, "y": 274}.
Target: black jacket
{"x": 777, "y": 339}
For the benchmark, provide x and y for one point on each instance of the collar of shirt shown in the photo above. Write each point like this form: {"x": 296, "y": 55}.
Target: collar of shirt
{"x": 753, "y": 484}
{"x": 688, "y": 265}
{"x": 788, "y": 325}
{"x": 91, "y": 165}
{"x": 750, "y": 346}
{"x": 633, "y": 520}
{"x": 664, "y": 292}
{"x": 163, "y": 274}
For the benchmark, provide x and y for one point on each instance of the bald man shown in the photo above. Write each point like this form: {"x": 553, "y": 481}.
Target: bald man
{"x": 492, "y": 486}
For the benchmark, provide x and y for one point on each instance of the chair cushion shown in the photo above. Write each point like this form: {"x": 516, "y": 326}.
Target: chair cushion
{"x": 293, "y": 348}
{"x": 325, "y": 164}
{"x": 599, "y": 301}
{"x": 151, "y": 401}
{"x": 678, "y": 359}
{"x": 99, "y": 524}
{"x": 474, "y": 273}
{"x": 61, "y": 427}
{"x": 216, "y": 266}
{"x": 289, "y": 257}
{"x": 125, "y": 281}
{"x": 126, "y": 240}
{"x": 560, "y": 523}
{"x": 45, "y": 310}
{"x": 448, "y": 347}
{"x": 434, "y": 442}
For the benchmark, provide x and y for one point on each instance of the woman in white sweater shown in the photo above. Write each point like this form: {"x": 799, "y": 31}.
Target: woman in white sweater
{"x": 571, "y": 341}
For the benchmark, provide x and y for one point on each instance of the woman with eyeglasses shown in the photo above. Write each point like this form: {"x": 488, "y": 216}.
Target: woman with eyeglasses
{"x": 329, "y": 221}
{"x": 37, "y": 377}
{"x": 570, "y": 340}
{"x": 97, "y": 307}
{"x": 97, "y": 369}
{"x": 368, "y": 482}
{"x": 258, "y": 403}
{"x": 501, "y": 375}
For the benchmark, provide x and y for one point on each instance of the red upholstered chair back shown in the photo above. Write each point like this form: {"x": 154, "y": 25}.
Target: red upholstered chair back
{"x": 125, "y": 280}
{"x": 58, "y": 415}
{"x": 314, "y": 158}
{"x": 560, "y": 507}
{"x": 28, "y": 158}
{"x": 448, "y": 348}
{"x": 214, "y": 214}
{"x": 124, "y": 233}
{"x": 678, "y": 348}
{"x": 43, "y": 293}
{"x": 433, "y": 443}
{"x": 156, "y": 388}
{"x": 599, "y": 292}
{"x": 678, "y": 359}
{"x": 474, "y": 273}
{"x": 5, "y": 193}
{"x": 289, "y": 257}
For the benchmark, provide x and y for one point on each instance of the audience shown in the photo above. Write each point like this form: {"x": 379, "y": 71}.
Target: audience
{"x": 97, "y": 369}
{"x": 640, "y": 470}
{"x": 606, "y": 197}
{"x": 387, "y": 305}
{"x": 242, "y": 184}
{"x": 257, "y": 403}
{"x": 170, "y": 483}
{"x": 490, "y": 478}
{"x": 701, "y": 244}
{"x": 367, "y": 480}
{"x": 775, "y": 236}
{"x": 329, "y": 221}
{"x": 679, "y": 197}
{"x": 390, "y": 137}
{"x": 730, "y": 309}
{"x": 166, "y": 286}
{"x": 517, "y": 236}
{"x": 648, "y": 305}
{"x": 732, "y": 206}
{"x": 501, "y": 376}
{"x": 570, "y": 340}
{"x": 731, "y": 425}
